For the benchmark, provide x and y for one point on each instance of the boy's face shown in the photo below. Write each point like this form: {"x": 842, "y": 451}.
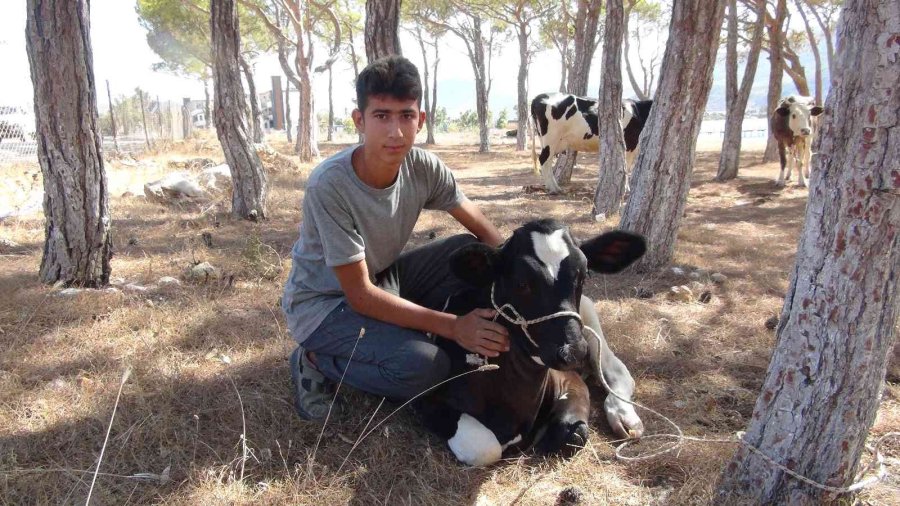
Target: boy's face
{"x": 390, "y": 126}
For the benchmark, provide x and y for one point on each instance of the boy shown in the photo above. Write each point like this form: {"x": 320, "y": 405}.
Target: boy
{"x": 348, "y": 272}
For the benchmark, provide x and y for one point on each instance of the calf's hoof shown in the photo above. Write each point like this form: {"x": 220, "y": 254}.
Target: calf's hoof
{"x": 622, "y": 418}
{"x": 576, "y": 439}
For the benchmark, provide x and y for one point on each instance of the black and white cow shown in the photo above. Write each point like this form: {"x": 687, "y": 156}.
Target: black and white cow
{"x": 566, "y": 121}
{"x": 793, "y": 126}
{"x": 537, "y": 398}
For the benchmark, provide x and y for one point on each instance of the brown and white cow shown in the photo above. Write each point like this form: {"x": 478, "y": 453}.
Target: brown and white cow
{"x": 537, "y": 398}
{"x": 793, "y": 126}
{"x": 566, "y": 121}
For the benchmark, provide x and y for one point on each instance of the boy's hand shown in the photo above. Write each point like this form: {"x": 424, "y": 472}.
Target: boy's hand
{"x": 477, "y": 333}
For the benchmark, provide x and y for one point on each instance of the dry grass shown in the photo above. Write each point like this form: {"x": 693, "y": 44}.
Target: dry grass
{"x": 180, "y": 417}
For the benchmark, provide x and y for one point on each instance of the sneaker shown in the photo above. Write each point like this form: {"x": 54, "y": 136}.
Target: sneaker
{"x": 313, "y": 392}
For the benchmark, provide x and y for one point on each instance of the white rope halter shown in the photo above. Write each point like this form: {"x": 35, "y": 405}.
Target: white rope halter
{"x": 518, "y": 319}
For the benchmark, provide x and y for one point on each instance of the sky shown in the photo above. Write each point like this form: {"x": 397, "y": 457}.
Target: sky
{"x": 122, "y": 56}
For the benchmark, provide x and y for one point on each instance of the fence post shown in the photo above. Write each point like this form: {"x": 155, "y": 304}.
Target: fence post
{"x": 112, "y": 117}
{"x": 186, "y": 123}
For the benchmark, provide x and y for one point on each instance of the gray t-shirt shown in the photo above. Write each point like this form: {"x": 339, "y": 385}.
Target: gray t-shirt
{"x": 345, "y": 220}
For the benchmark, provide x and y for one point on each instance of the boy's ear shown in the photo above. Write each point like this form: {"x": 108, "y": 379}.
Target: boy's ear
{"x": 613, "y": 251}
{"x": 474, "y": 263}
{"x": 422, "y": 116}
{"x": 357, "y": 116}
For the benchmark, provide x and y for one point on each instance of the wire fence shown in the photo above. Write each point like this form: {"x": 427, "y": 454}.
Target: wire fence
{"x": 132, "y": 124}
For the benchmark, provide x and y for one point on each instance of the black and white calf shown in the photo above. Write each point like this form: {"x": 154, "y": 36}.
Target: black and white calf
{"x": 566, "y": 121}
{"x": 793, "y": 126}
{"x": 537, "y": 398}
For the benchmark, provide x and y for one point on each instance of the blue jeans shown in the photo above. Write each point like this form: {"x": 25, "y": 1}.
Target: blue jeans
{"x": 392, "y": 361}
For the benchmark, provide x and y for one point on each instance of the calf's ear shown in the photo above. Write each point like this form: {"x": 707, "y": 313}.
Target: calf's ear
{"x": 817, "y": 110}
{"x": 613, "y": 251}
{"x": 474, "y": 263}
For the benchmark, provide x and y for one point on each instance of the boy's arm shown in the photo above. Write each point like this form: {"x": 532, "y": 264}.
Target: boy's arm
{"x": 474, "y": 331}
{"x": 469, "y": 216}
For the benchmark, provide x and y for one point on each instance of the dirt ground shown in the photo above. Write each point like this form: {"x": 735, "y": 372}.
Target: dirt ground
{"x": 206, "y": 417}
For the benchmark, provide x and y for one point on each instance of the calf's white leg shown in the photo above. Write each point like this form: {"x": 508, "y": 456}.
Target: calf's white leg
{"x": 621, "y": 415}
{"x": 474, "y": 444}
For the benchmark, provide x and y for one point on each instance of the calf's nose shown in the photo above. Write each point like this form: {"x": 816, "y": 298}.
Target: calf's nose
{"x": 804, "y": 131}
{"x": 572, "y": 355}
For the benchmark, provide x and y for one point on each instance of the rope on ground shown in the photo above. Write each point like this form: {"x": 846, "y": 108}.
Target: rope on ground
{"x": 680, "y": 438}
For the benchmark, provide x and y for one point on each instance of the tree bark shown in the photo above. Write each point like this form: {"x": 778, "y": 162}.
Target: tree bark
{"x": 662, "y": 174}
{"x": 207, "y": 116}
{"x": 611, "y": 180}
{"x": 479, "y": 67}
{"x": 522, "y": 30}
{"x": 112, "y": 117}
{"x": 330, "y": 137}
{"x": 248, "y": 199}
{"x": 77, "y": 244}
{"x": 144, "y": 119}
{"x": 638, "y": 91}
{"x": 585, "y": 41}
{"x": 434, "y": 85}
{"x": 426, "y": 87}
{"x": 814, "y": 46}
{"x": 775, "y": 29}
{"x": 382, "y": 28}
{"x": 288, "y": 125}
{"x": 829, "y": 42}
{"x": 794, "y": 68}
{"x": 736, "y": 99}
{"x": 823, "y": 385}
{"x": 255, "y": 127}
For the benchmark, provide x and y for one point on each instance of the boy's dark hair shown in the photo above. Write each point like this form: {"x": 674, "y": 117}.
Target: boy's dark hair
{"x": 394, "y": 76}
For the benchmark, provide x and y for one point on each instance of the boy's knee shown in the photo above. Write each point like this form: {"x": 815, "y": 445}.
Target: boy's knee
{"x": 423, "y": 367}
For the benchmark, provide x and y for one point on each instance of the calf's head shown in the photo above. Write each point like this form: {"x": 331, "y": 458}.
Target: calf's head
{"x": 799, "y": 112}
{"x": 540, "y": 271}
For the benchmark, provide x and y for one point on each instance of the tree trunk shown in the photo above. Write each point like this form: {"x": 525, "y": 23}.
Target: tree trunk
{"x": 434, "y": 88}
{"x": 255, "y": 127}
{"x": 611, "y": 180}
{"x": 775, "y": 30}
{"x": 736, "y": 99}
{"x": 330, "y": 137}
{"x": 662, "y": 174}
{"x": 77, "y": 245}
{"x": 825, "y": 379}
{"x": 426, "y": 88}
{"x": 307, "y": 148}
{"x": 638, "y": 91}
{"x": 207, "y": 116}
{"x": 794, "y": 68}
{"x": 829, "y": 44}
{"x": 112, "y": 117}
{"x": 586, "y": 20}
{"x": 476, "y": 57}
{"x": 522, "y": 86}
{"x": 288, "y": 125}
{"x": 382, "y": 28}
{"x": 144, "y": 119}
{"x": 814, "y": 46}
{"x": 248, "y": 199}
{"x": 354, "y": 61}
